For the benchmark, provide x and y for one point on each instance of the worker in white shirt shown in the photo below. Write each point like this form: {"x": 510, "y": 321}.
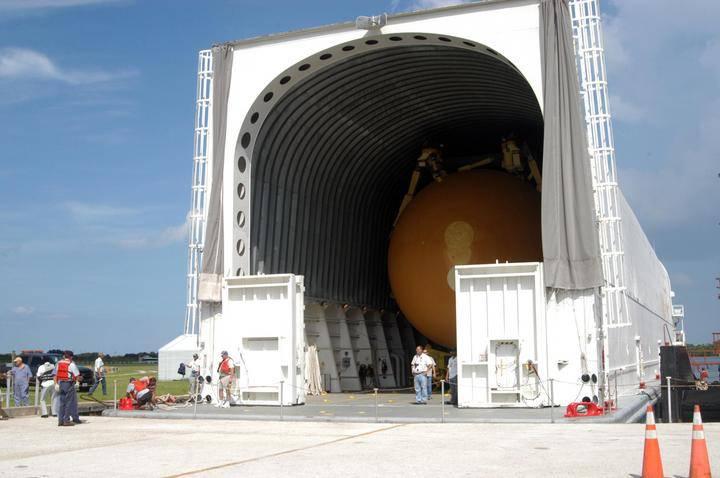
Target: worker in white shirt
{"x": 99, "y": 370}
{"x": 194, "y": 367}
{"x": 451, "y": 377}
{"x": 419, "y": 367}
{"x": 431, "y": 372}
{"x": 45, "y": 375}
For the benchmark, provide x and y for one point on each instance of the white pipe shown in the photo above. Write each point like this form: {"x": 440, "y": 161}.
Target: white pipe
{"x": 669, "y": 402}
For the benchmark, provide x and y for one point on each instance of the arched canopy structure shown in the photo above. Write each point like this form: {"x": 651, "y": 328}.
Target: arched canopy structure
{"x": 325, "y": 154}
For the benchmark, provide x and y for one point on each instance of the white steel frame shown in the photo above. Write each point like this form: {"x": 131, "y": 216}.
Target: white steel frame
{"x": 198, "y": 208}
{"x": 590, "y": 57}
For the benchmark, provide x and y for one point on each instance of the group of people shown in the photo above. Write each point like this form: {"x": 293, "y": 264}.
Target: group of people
{"x": 60, "y": 380}
{"x": 425, "y": 371}
{"x": 226, "y": 373}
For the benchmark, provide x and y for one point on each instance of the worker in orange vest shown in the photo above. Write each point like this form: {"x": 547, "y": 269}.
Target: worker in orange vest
{"x": 66, "y": 379}
{"x": 226, "y": 370}
{"x": 141, "y": 391}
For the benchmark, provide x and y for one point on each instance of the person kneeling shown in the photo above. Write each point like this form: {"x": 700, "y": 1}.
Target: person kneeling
{"x": 141, "y": 391}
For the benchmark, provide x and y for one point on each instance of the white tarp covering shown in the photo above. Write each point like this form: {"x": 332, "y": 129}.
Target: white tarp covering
{"x": 171, "y": 355}
{"x": 646, "y": 279}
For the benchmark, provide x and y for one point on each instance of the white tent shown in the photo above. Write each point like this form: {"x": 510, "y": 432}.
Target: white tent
{"x": 171, "y": 355}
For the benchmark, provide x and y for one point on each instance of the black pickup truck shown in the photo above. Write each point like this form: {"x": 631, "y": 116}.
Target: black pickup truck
{"x": 35, "y": 359}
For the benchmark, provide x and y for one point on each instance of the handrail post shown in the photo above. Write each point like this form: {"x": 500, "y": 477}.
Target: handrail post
{"x": 195, "y": 396}
{"x": 282, "y": 411}
{"x": 442, "y": 400}
{"x": 669, "y": 400}
{"x": 552, "y": 400}
{"x": 375, "y": 390}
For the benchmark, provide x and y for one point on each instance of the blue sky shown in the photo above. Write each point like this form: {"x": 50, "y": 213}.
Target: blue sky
{"x": 96, "y": 117}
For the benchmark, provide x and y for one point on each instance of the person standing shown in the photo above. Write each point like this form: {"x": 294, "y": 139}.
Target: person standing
{"x": 431, "y": 372}
{"x": 419, "y": 367}
{"x": 66, "y": 379}
{"x": 21, "y": 387}
{"x": 99, "y": 370}
{"x": 451, "y": 377}
{"x": 362, "y": 371}
{"x": 194, "y": 367}
{"x": 45, "y": 374}
{"x": 226, "y": 370}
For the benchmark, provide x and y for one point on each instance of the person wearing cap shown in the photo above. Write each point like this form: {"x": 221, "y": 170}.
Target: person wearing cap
{"x": 66, "y": 380}
{"x": 194, "y": 367}
{"x": 21, "y": 377}
{"x": 226, "y": 370}
{"x": 99, "y": 370}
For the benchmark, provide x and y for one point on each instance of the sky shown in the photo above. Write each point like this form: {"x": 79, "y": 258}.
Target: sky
{"x": 96, "y": 118}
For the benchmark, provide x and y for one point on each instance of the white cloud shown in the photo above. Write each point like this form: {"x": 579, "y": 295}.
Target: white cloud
{"x": 23, "y": 310}
{"x": 24, "y": 63}
{"x": 710, "y": 56}
{"x": 623, "y": 110}
{"x": 41, "y": 4}
{"x": 681, "y": 279}
{"x": 659, "y": 55}
{"x": 418, "y": 4}
{"x": 682, "y": 189}
{"x": 87, "y": 212}
{"x": 57, "y": 317}
{"x": 152, "y": 239}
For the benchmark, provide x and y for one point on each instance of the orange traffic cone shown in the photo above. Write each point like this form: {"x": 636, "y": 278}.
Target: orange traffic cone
{"x": 652, "y": 464}
{"x": 699, "y": 461}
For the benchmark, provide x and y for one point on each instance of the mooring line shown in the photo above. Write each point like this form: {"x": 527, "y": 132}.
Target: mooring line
{"x": 280, "y": 453}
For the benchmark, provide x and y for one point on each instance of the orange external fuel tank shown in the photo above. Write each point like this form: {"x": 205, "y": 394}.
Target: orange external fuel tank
{"x": 473, "y": 217}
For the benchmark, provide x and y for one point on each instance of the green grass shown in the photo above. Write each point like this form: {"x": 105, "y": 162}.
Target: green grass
{"x": 122, "y": 373}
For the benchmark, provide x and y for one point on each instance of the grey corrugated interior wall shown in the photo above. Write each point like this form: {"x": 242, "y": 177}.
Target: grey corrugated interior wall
{"x": 334, "y": 156}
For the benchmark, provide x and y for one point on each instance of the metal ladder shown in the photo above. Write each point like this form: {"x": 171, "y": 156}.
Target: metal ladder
{"x": 198, "y": 210}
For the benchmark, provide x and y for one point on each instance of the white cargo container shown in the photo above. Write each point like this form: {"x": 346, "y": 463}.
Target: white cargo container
{"x": 514, "y": 336}
{"x": 261, "y": 328}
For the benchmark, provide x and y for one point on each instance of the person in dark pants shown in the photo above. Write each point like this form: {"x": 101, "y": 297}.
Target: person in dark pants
{"x": 66, "y": 377}
{"x": 451, "y": 377}
{"x": 99, "y": 370}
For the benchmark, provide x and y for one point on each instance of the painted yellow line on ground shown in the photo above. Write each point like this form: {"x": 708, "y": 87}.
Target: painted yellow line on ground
{"x": 280, "y": 453}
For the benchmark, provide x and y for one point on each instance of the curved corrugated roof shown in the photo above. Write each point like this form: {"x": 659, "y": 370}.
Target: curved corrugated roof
{"x": 332, "y": 151}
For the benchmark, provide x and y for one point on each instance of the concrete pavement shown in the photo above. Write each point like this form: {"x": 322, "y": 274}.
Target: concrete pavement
{"x": 391, "y": 408}
{"x": 34, "y": 447}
